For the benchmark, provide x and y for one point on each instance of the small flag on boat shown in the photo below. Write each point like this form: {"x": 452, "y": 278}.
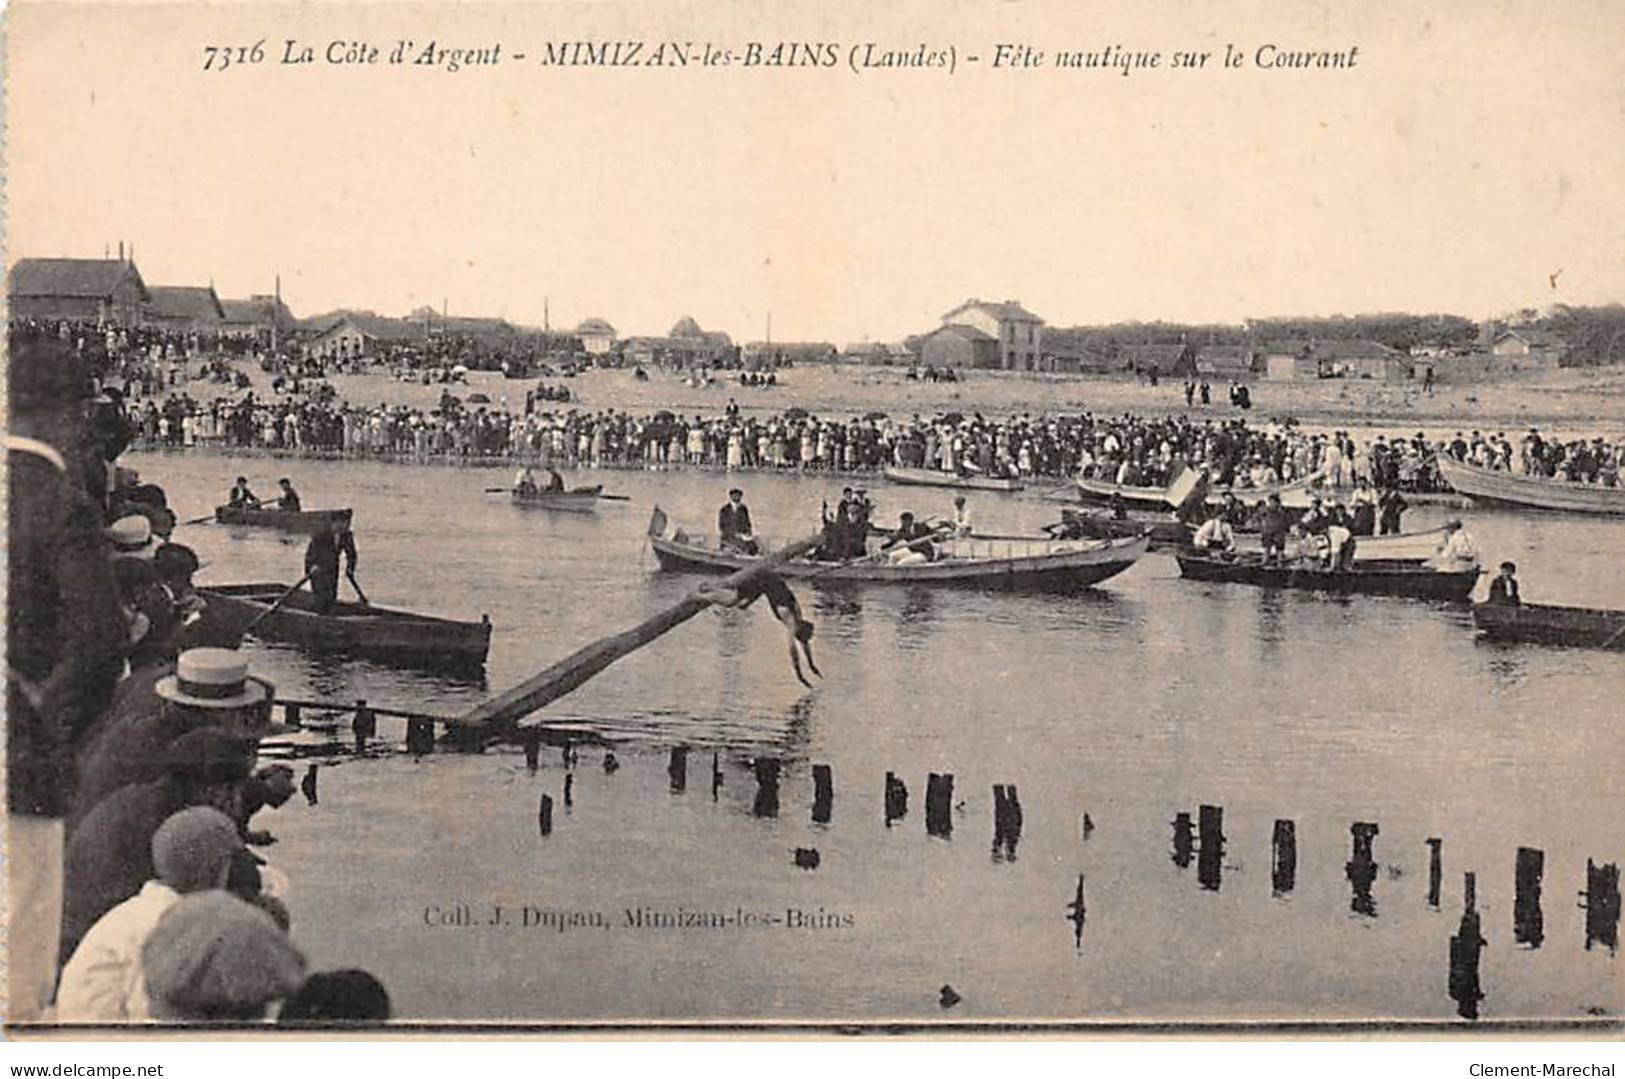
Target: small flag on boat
{"x": 657, "y": 522}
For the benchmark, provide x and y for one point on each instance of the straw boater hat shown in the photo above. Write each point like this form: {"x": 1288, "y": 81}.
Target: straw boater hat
{"x": 211, "y": 678}
{"x": 132, "y": 537}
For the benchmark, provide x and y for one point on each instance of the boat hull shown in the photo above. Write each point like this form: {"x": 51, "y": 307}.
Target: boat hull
{"x": 306, "y": 522}
{"x": 1155, "y": 499}
{"x": 1525, "y": 492}
{"x": 1168, "y": 535}
{"x": 1375, "y": 578}
{"x": 355, "y": 629}
{"x": 1577, "y": 627}
{"x": 1066, "y": 568}
{"x": 579, "y": 500}
{"x": 925, "y": 477}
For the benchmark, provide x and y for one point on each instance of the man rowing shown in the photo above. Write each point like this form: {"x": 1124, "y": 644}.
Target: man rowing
{"x": 1216, "y": 535}
{"x": 322, "y": 563}
{"x": 524, "y": 484}
{"x": 785, "y": 608}
{"x": 290, "y": 498}
{"x": 1458, "y": 551}
{"x": 241, "y": 496}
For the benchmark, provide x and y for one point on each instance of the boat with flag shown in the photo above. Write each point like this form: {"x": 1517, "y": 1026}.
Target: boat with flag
{"x": 1007, "y": 563}
{"x": 1530, "y": 492}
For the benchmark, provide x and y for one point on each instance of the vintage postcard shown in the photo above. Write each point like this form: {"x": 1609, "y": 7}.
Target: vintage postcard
{"x": 765, "y": 516}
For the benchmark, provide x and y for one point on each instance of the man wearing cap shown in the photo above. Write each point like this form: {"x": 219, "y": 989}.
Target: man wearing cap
{"x": 104, "y": 982}
{"x": 206, "y": 688}
{"x": 64, "y": 640}
{"x": 109, "y": 852}
{"x": 734, "y": 526}
{"x": 215, "y": 958}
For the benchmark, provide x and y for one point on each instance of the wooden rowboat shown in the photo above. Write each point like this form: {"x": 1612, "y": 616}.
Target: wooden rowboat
{"x": 356, "y": 629}
{"x": 1530, "y": 492}
{"x": 928, "y": 477}
{"x": 1294, "y": 494}
{"x": 307, "y": 522}
{"x": 575, "y": 500}
{"x": 1029, "y": 564}
{"x": 1169, "y": 534}
{"x": 1370, "y": 578}
{"x": 1581, "y": 627}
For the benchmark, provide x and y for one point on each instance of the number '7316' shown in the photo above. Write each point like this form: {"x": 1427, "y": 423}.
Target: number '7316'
{"x": 220, "y": 57}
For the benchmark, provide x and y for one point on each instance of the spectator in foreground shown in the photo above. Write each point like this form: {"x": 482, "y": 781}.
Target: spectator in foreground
{"x": 338, "y": 996}
{"x": 216, "y": 959}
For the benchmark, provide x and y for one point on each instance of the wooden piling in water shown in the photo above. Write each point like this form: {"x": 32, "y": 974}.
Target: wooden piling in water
{"x": 939, "y": 802}
{"x": 1435, "y": 871}
{"x": 569, "y": 789}
{"x": 544, "y": 815}
{"x": 1210, "y": 846}
{"x": 716, "y": 774}
{"x": 677, "y": 769}
{"x": 1077, "y": 914}
{"x": 533, "y": 749}
{"x": 1602, "y": 905}
{"x": 767, "y": 787}
{"x": 823, "y": 793}
{"x": 1283, "y": 858}
{"x": 1361, "y": 869}
{"x": 1006, "y": 822}
{"x": 896, "y": 799}
{"x": 1184, "y": 840}
{"x": 1528, "y": 922}
{"x": 1465, "y": 948}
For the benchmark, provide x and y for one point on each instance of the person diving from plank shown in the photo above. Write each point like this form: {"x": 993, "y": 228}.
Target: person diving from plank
{"x": 785, "y": 608}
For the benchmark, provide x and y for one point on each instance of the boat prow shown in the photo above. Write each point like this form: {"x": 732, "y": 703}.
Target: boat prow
{"x": 1578, "y": 627}
{"x": 1530, "y": 492}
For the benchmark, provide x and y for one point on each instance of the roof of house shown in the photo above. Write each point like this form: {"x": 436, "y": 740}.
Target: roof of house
{"x": 1356, "y": 349}
{"x": 1533, "y": 337}
{"x": 373, "y": 325}
{"x": 186, "y": 301}
{"x": 85, "y": 278}
{"x": 595, "y": 326}
{"x": 686, "y": 327}
{"x": 968, "y": 333}
{"x": 1154, "y": 353}
{"x": 258, "y": 310}
{"x": 1005, "y": 311}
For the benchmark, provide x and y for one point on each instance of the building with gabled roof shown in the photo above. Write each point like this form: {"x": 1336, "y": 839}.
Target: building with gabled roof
{"x": 185, "y": 307}
{"x": 1018, "y": 332}
{"x": 597, "y": 336}
{"x": 100, "y": 290}
{"x": 959, "y": 345}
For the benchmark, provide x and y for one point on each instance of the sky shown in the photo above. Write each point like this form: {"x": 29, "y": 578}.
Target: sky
{"x": 1475, "y": 151}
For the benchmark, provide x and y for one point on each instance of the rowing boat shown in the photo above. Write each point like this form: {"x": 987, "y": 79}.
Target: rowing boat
{"x": 356, "y": 629}
{"x": 575, "y": 500}
{"x": 1582, "y": 627}
{"x": 307, "y": 522}
{"x": 1530, "y": 492}
{"x": 1168, "y": 534}
{"x": 1294, "y": 494}
{"x": 1014, "y": 563}
{"x": 1396, "y": 578}
{"x": 926, "y": 477}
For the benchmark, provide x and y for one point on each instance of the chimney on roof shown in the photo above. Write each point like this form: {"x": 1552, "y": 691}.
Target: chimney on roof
{"x": 121, "y": 250}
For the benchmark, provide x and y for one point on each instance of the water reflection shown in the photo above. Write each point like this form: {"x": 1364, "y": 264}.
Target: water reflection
{"x": 1076, "y": 914}
{"x": 918, "y": 620}
{"x": 1362, "y": 869}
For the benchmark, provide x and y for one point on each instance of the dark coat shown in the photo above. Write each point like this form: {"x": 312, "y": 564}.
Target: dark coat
{"x": 734, "y": 521}
{"x": 65, "y": 635}
{"x": 109, "y": 854}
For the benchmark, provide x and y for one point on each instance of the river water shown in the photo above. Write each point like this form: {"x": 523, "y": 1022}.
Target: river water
{"x": 1145, "y": 699}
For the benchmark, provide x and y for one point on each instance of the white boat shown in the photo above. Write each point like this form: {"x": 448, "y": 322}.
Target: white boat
{"x": 1531, "y": 492}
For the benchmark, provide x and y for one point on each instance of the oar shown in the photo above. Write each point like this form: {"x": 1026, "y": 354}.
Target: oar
{"x": 350, "y": 573}
{"x": 279, "y": 601}
{"x": 614, "y": 498}
{"x": 198, "y": 520}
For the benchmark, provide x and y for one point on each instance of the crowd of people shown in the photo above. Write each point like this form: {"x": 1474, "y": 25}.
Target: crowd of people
{"x": 136, "y": 892}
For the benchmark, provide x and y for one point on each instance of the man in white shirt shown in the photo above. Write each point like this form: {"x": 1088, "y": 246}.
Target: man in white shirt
{"x": 962, "y": 526}
{"x": 104, "y": 982}
{"x": 1458, "y": 550}
{"x": 1215, "y": 535}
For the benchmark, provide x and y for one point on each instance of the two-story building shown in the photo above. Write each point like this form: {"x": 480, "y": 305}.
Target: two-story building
{"x": 1017, "y": 332}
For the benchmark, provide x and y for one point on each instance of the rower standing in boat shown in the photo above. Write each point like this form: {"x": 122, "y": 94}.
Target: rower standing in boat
{"x": 785, "y": 608}
{"x": 1364, "y": 502}
{"x": 733, "y": 525}
{"x": 555, "y": 482}
{"x": 322, "y": 563}
{"x": 1274, "y": 525}
{"x": 290, "y": 498}
{"x": 1504, "y": 587}
{"x": 241, "y": 496}
{"x": 1390, "y": 506}
{"x": 962, "y": 526}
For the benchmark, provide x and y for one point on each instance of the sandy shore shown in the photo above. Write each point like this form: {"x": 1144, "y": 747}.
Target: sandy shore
{"x": 1590, "y": 401}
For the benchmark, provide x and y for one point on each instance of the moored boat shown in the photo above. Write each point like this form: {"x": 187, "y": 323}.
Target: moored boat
{"x": 1295, "y": 494}
{"x": 357, "y": 629}
{"x": 1168, "y": 534}
{"x": 575, "y": 500}
{"x": 1580, "y": 627}
{"x": 1530, "y": 492}
{"x": 1395, "y": 578}
{"x": 1015, "y": 563}
{"x": 926, "y": 477}
{"x": 308, "y": 522}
